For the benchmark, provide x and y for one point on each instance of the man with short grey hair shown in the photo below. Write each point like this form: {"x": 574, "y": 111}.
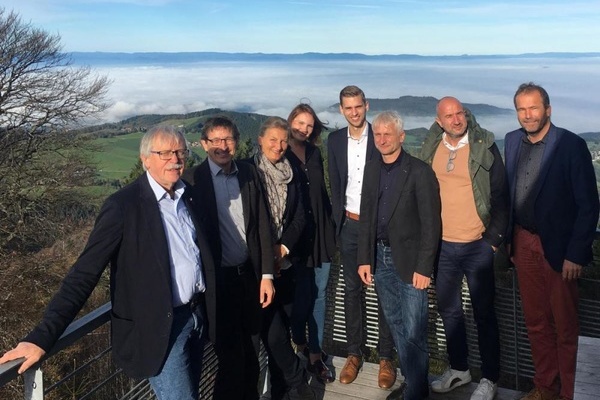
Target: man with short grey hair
{"x": 399, "y": 235}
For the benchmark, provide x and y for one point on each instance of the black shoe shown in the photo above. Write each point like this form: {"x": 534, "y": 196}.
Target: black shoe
{"x": 301, "y": 392}
{"x": 321, "y": 371}
{"x": 324, "y": 356}
{"x": 397, "y": 394}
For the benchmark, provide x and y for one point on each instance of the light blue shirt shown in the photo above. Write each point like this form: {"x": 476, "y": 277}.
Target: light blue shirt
{"x": 184, "y": 255}
{"x": 230, "y": 209}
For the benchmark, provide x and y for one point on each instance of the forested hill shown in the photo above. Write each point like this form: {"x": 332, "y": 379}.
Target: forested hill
{"x": 424, "y": 106}
{"x": 247, "y": 123}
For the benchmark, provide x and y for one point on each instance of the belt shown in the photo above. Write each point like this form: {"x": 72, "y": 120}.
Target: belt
{"x": 196, "y": 301}
{"x": 239, "y": 269}
{"x": 352, "y": 216}
{"x": 383, "y": 242}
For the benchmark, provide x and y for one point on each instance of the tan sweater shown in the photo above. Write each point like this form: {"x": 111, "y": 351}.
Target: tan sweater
{"x": 460, "y": 221}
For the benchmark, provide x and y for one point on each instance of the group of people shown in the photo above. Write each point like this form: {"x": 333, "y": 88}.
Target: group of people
{"x": 239, "y": 250}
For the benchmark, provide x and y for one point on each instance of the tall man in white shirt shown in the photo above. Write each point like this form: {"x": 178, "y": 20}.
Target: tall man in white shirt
{"x": 348, "y": 150}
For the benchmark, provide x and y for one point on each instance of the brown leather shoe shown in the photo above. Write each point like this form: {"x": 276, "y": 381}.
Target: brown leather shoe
{"x": 387, "y": 374}
{"x": 351, "y": 368}
{"x": 540, "y": 394}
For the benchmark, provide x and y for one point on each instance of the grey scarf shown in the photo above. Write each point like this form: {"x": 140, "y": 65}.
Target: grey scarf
{"x": 275, "y": 178}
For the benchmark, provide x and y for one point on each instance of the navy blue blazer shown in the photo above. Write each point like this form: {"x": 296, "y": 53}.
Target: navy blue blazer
{"x": 566, "y": 195}
{"x": 337, "y": 158}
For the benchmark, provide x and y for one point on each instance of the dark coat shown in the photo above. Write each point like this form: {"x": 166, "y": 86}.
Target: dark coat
{"x": 294, "y": 215}
{"x": 337, "y": 158}
{"x": 256, "y": 216}
{"x": 414, "y": 228}
{"x": 320, "y": 234}
{"x": 128, "y": 234}
{"x": 566, "y": 195}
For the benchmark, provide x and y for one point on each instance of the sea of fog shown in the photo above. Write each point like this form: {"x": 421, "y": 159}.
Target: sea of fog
{"x": 274, "y": 86}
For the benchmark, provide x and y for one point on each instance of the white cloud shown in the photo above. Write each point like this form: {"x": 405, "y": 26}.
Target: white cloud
{"x": 274, "y": 88}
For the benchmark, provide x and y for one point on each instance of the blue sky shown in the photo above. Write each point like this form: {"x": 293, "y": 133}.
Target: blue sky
{"x": 427, "y": 27}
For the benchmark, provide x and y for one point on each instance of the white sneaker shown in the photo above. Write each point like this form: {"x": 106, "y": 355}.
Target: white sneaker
{"x": 451, "y": 379}
{"x": 486, "y": 390}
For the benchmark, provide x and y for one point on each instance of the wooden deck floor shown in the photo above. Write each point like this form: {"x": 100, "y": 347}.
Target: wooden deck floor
{"x": 587, "y": 385}
{"x": 365, "y": 387}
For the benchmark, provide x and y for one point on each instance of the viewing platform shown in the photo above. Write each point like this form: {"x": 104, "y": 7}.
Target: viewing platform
{"x": 108, "y": 382}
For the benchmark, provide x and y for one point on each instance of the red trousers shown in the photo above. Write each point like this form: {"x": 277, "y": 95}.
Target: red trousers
{"x": 550, "y": 309}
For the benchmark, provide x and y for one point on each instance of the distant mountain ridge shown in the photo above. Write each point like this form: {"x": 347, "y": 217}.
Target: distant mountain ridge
{"x": 99, "y": 58}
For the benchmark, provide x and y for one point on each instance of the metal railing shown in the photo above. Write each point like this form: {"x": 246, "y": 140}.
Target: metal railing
{"x": 516, "y": 364}
{"x": 515, "y": 351}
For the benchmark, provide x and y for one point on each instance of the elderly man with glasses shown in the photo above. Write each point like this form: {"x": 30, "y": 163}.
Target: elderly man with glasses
{"x": 160, "y": 268}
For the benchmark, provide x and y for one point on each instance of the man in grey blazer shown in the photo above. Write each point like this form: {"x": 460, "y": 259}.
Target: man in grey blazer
{"x": 399, "y": 236}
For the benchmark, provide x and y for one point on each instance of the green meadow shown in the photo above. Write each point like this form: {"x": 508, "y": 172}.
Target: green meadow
{"x": 119, "y": 154}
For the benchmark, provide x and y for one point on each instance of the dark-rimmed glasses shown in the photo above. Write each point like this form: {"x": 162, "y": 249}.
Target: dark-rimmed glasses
{"x": 219, "y": 141}
{"x": 168, "y": 154}
{"x": 451, "y": 157}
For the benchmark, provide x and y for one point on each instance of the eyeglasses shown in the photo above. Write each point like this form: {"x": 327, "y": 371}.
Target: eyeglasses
{"x": 450, "y": 165}
{"x": 168, "y": 154}
{"x": 219, "y": 141}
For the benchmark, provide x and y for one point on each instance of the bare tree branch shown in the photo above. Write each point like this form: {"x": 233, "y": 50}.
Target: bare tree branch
{"x": 43, "y": 97}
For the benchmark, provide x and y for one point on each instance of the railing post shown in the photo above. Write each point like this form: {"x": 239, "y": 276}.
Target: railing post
{"x": 34, "y": 384}
{"x": 515, "y": 337}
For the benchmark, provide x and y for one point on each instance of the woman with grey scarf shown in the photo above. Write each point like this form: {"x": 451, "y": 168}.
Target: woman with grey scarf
{"x": 284, "y": 200}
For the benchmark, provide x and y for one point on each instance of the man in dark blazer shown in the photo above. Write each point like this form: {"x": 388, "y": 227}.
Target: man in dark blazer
{"x": 554, "y": 211}
{"x": 354, "y": 146}
{"x": 157, "y": 289}
{"x": 400, "y": 227}
{"x": 229, "y": 195}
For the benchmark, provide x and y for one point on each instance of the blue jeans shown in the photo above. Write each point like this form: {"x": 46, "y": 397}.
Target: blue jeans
{"x": 405, "y": 310}
{"x": 475, "y": 261}
{"x": 309, "y": 306}
{"x": 180, "y": 375}
{"x": 354, "y": 304}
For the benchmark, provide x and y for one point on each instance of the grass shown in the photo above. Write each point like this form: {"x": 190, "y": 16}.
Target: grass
{"x": 119, "y": 154}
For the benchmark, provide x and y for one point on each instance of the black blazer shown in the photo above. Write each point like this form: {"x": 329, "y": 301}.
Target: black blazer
{"x": 337, "y": 156}
{"x": 256, "y": 216}
{"x": 294, "y": 215}
{"x": 566, "y": 195}
{"x": 129, "y": 235}
{"x": 319, "y": 232}
{"x": 414, "y": 228}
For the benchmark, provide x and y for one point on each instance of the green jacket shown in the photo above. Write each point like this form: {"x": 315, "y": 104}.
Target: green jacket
{"x": 488, "y": 176}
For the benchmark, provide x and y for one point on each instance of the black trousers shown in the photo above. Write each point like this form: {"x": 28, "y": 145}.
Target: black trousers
{"x": 284, "y": 366}
{"x": 238, "y": 327}
{"x": 354, "y": 306}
